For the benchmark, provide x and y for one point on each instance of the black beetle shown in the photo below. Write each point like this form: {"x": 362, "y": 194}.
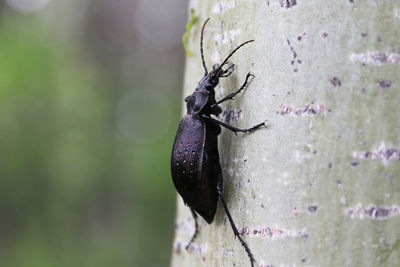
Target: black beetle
{"x": 195, "y": 166}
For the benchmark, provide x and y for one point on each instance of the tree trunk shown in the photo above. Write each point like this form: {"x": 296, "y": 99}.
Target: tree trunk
{"x": 321, "y": 185}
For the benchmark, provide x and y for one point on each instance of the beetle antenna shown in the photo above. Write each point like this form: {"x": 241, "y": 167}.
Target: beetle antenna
{"x": 201, "y": 47}
{"x": 233, "y": 52}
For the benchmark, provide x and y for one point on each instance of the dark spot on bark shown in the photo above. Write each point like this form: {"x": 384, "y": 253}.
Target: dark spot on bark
{"x": 391, "y": 151}
{"x": 384, "y": 86}
{"x": 231, "y": 115}
{"x": 303, "y": 260}
{"x": 383, "y": 153}
{"x": 378, "y": 212}
{"x": 335, "y": 81}
{"x": 350, "y": 212}
{"x": 287, "y": 3}
{"x": 324, "y": 34}
{"x": 367, "y": 154}
{"x": 330, "y": 165}
{"x": 262, "y": 205}
{"x": 380, "y": 58}
{"x": 317, "y": 108}
{"x": 313, "y": 108}
{"x": 300, "y": 37}
{"x": 293, "y": 61}
{"x": 374, "y": 212}
{"x": 312, "y": 208}
{"x": 355, "y": 163}
{"x": 363, "y": 90}
{"x": 178, "y": 247}
{"x": 363, "y": 34}
{"x": 255, "y": 232}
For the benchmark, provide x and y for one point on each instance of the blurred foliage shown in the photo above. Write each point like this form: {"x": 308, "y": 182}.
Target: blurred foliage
{"x": 73, "y": 191}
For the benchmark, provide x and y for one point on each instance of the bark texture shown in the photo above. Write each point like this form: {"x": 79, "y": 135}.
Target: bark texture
{"x": 321, "y": 185}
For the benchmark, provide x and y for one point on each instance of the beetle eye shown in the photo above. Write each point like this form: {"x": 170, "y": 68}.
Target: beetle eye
{"x": 215, "y": 66}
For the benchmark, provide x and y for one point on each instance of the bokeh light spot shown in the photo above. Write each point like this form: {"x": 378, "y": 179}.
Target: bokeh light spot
{"x": 143, "y": 116}
{"x": 27, "y": 6}
{"x": 158, "y": 24}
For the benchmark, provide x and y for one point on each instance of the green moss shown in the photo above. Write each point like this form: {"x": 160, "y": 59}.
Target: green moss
{"x": 186, "y": 36}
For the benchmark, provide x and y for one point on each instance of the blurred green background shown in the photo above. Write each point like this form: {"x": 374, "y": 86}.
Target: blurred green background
{"x": 90, "y": 99}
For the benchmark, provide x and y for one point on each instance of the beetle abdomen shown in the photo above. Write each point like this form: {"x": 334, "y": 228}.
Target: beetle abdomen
{"x": 192, "y": 167}
{"x": 187, "y": 155}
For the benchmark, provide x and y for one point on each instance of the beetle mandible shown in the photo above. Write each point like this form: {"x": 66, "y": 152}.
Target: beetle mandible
{"x": 195, "y": 166}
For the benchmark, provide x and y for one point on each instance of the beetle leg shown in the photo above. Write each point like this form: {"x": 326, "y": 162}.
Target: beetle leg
{"x": 229, "y": 127}
{"x": 235, "y": 230}
{"x": 219, "y": 178}
{"x": 228, "y": 71}
{"x": 216, "y": 110}
{"x": 196, "y": 229}
{"x": 230, "y": 96}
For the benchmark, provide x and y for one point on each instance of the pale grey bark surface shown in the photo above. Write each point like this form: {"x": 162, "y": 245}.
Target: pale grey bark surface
{"x": 321, "y": 185}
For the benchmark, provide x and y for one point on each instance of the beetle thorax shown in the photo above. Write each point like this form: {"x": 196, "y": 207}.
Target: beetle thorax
{"x": 197, "y": 101}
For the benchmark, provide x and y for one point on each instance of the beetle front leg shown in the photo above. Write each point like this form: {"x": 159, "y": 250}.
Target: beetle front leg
{"x": 229, "y": 127}
{"x": 232, "y": 95}
{"x": 196, "y": 229}
{"x": 228, "y": 71}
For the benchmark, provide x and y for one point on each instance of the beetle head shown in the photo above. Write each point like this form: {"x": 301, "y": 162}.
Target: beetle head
{"x": 217, "y": 71}
{"x": 211, "y": 79}
{"x": 215, "y": 74}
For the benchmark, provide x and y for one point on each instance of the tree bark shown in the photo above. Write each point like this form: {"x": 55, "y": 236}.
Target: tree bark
{"x": 321, "y": 185}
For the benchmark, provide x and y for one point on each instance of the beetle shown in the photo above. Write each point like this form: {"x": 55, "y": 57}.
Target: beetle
{"x": 195, "y": 167}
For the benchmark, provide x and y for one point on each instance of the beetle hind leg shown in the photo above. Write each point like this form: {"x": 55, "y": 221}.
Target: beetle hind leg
{"x": 196, "y": 229}
{"x": 236, "y": 232}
